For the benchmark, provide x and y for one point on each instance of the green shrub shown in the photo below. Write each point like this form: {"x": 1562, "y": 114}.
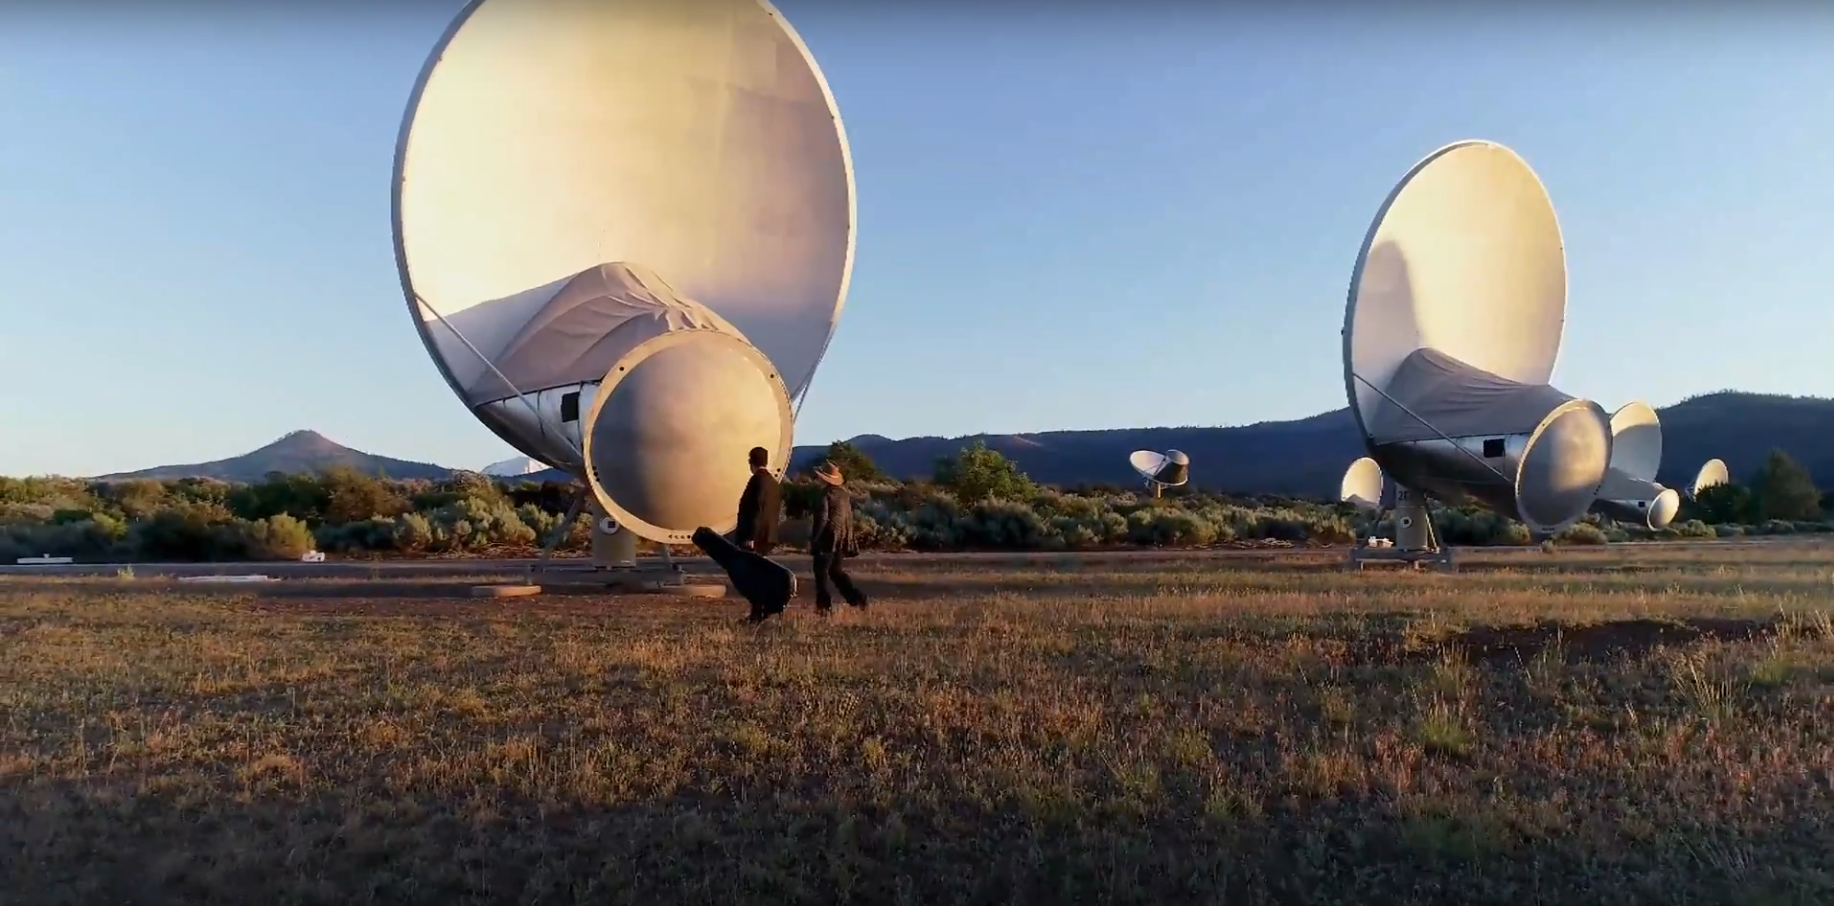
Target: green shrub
{"x": 977, "y": 473}
{"x": 980, "y": 500}
{"x": 1006, "y": 525}
{"x": 1167, "y": 527}
{"x": 279, "y": 537}
{"x": 1582, "y": 533}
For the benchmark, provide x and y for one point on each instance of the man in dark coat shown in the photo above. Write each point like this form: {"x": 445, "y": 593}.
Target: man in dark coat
{"x": 831, "y": 540}
{"x": 759, "y": 506}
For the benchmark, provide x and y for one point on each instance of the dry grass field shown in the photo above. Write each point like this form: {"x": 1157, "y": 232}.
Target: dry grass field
{"x": 1626, "y": 725}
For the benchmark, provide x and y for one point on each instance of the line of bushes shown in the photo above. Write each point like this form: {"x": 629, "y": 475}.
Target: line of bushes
{"x": 977, "y": 501}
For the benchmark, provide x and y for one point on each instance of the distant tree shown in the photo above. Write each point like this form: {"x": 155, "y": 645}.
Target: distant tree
{"x": 977, "y": 473}
{"x": 302, "y": 496}
{"x": 853, "y": 462}
{"x": 1723, "y": 504}
{"x": 140, "y": 498}
{"x": 1784, "y": 490}
{"x": 551, "y": 497}
{"x": 354, "y": 497}
{"x": 461, "y": 486}
{"x": 279, "y": 537}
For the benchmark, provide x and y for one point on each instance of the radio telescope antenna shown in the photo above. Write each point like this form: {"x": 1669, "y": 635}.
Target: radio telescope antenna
{"x": 1451, "y": 329}
{"x": 1362, "y": 485}
{"x": 1630, "y": 492}
{"x": 1712, "y": 473}
{"x": 635, "y": 241}
{"x": 1161, "y": 470}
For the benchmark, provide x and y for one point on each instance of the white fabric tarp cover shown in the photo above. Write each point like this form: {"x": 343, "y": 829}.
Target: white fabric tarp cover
{"x": 574, "y": 331}
{"x": 1458, "y": 400}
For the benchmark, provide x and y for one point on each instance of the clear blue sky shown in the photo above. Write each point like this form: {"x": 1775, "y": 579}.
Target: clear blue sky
{"x": 1069, "y": 218}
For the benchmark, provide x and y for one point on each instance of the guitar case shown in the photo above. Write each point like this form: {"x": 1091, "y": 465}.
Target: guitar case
{"x": 767, "y": 584}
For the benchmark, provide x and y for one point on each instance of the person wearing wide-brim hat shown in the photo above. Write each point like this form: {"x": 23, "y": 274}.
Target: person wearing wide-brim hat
{"x": 831, "y": 540}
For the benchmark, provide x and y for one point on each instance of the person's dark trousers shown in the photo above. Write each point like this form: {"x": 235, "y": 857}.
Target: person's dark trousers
{"x": 828, "y": 569}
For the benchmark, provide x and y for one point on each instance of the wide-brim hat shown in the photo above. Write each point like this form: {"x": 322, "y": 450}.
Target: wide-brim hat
{"x": 829, "y": 472}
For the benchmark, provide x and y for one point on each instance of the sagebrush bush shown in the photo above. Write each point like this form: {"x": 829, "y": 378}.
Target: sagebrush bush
{"x": 1582, "y": 533}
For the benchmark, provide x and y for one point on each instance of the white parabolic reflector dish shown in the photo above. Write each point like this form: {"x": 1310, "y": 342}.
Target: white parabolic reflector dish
{"x": 574, "y": 177}
{"x": 1362, "y": 484}
{"x": 1452, "y": 327}
{"x": 1636, "y": 441}
{"x": 1171, "y": 468}
{"x": 1713, "y": 472}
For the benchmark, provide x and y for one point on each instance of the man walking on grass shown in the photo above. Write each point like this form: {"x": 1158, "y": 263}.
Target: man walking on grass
{"x": 831, "y": 540}
{"x": 759, "y": 506}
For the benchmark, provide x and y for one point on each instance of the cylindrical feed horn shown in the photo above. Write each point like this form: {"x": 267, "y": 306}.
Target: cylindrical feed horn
{"x": 1628, "y": 499}
{"x": 1175, "y": 471}
{"x": 671, "y": 428}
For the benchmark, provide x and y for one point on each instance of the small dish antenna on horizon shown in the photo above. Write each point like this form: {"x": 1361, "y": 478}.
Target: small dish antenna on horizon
{"x": 1161, "y": 470}
{"x": 625, "y": 232}
{"x": 1454, "y": 319}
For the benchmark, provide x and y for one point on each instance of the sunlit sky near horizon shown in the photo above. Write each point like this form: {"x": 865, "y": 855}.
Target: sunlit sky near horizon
{"x": 1068, "y": 217}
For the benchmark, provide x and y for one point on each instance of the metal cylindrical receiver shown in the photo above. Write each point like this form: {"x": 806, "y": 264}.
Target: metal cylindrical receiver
{"x": 1413, "y": 528}
{"x": 612, "y": 544}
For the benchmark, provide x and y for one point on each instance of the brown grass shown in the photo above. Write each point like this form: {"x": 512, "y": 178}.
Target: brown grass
{"x": 1621, "y": 726}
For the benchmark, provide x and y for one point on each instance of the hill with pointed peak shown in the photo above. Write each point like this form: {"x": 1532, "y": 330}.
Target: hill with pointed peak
{"x": 298, "y": 452}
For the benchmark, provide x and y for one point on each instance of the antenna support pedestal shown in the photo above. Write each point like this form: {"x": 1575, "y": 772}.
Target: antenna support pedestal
{"x": 1415, "y": 543}
{"x": 615, "y": 549}
{"x": 616, "y": 569}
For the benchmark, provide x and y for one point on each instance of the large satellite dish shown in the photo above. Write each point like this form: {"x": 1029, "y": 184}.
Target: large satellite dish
{"x": 1161, "y": 470}
{"x": 625, "y": 230}
{"x": 1452, "y": 326}
{"x": 1630, "y": 492}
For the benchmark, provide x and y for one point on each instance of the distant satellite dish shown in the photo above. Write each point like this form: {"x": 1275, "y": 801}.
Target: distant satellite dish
{"x": 1452, "y": 326}
{"x": 1636, "y": 441}
{"x": 1362, "y": 485}
{"x": 1161, "y": 470}
{"x": 651, "y": 195}
{"x": 1628, "y": 499}
{"x": 1630, "y": 492}
{"x": 1712, "y": 473}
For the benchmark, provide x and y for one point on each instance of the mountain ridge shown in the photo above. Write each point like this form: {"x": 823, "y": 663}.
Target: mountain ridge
{"x": 1303, "y": 457}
